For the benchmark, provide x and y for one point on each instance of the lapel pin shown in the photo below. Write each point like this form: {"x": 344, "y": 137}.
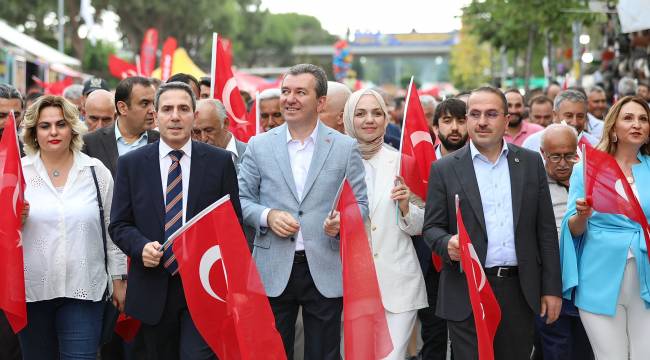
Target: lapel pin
{"x": 516, "y": 160}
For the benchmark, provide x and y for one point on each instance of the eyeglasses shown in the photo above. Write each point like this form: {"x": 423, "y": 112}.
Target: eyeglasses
{"x": 267, "y": 115}
{"x": 568, "y": 157}
{"x": 490, "y": 114}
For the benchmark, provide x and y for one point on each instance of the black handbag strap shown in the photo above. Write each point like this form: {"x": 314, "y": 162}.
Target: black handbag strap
{"x": 102, "y": 224}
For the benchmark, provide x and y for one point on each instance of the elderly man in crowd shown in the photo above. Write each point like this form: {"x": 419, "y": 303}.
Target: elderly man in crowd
{"x": 597, "y": 109}
{"x": 428, "y": 103}
{"x": 270, "y": 114}
{"x": 74, "y": 94}
{"x": 565, "y": 338}
{"x": 332, "y": 114}
{"x": 541, "y": 110}
{"x": 211, "y": 127}
{"x": 100, "y": 110}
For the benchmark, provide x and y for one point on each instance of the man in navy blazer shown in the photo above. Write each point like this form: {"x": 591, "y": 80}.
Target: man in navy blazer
{"x": 140, "y": 217}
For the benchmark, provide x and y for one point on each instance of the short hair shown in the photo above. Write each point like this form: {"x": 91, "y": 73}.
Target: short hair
{"x": 595, "y": 89}
{"x": 606, "y": 144}
{"x": 398, "y": 101}
{"x": 515, "y": 91}
{"x": 9, "y": 92}
{"x": 316, "y": 71}
{"x": 427, "y": 100}
{"x": 453, "y": 107}
{"x": 222, "y": 114}
{"x": 541, "y": 99}
{"x": 269, "y": 94}
{"x": 174, "y": 85}
{"x": 125, "y": 87}
{"x": 184, "y": 78}
{"x": 552, "y": 83}
{"x": 74, "y": 91}
{"x": 558, "y": 126}
{"x": 494, "y": 91}
{"x": 70, "y": 114}
{"x": 627, "y": 86}
{"x": 569, "y": 95}
{"x": 205, "y": 81}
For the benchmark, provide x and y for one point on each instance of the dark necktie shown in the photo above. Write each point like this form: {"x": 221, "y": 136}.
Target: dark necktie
{"x": 173, "y": 207}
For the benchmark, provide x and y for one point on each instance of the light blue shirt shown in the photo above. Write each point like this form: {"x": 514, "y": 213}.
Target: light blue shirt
{"x": 123, "y": 147}
{"x": 494, "y": 185}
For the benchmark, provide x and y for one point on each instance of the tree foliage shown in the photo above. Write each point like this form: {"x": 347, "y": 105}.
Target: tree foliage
{"x": 469, "y": 60}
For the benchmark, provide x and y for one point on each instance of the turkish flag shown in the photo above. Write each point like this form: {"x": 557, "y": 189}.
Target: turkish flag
{"x": 253, "y": 116}
{"x": 54, "y": 88}
{"x": 364, "y": 321}
{"x": 225, "y": 89}
{"x": 12, "y": 202}
{"x": 224, "y": 293}
{"x": 486, "y": 310}
{"x": 607, "y": 189}
{"x": 167, "y": 58}
{"x": 417, "y": 151}
{"x": 148, "y": 51}
{"x": 121, "y": 69}
{"x": 582, "y": 142}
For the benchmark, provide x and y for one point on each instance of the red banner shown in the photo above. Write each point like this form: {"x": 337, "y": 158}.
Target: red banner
{"x": 225, "y": 89}
{"x": 148, "y": 52}
{"x": 167, "y": 59}
{"x": 121, "y": 69}
{"x": 365, "y": 328}
{"x": 54, "y": 88}
{"x": 224, "y": 293}
{"x": 12, "y": 202}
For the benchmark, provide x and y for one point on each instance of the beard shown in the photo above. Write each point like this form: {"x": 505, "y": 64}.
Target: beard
{"x": 453, "y": 145}
{"x": 515, "y": 122}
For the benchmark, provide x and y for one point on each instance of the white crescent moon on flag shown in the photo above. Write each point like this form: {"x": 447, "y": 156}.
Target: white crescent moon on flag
{"x": 474, "y": 257}
{"x": 620, "y": 190}
{"x": 9, "y": 180}
{"x": 420, "y": 136}
{"x": 209, "y": 258}
{"x": 230, "y": 85}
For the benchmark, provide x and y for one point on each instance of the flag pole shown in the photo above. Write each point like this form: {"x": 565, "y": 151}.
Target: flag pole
{"x": 401, "y": 143}
{"x": 457, "y": 202}
{"x": 257, "y": 112}
{"x": 138, "y": 65}
{"x": 584, "y": 171}
{"x": 213, "y": 65}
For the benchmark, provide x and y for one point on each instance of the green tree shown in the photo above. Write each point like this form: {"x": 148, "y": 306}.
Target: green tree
{"x": 469, "y": 61}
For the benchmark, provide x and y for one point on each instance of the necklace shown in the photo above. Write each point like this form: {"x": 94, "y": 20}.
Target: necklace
{"x": 56, "y": 173}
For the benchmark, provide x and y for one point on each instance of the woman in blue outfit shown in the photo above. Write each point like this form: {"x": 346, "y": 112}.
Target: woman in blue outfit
{"x": 604, "y": 256}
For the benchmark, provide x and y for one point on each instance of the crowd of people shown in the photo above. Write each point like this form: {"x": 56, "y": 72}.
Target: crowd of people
{"x": 110, "y": 175}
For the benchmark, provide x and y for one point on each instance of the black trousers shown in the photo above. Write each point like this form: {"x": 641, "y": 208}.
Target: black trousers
{"x": 514, "y": 337}
{"x": 9, "y": 346}
{"x": 321, "y": 316}
{"x": 434, "y": 329}
{"x": 564, "y": 339}
{"x": 175, "y": 336}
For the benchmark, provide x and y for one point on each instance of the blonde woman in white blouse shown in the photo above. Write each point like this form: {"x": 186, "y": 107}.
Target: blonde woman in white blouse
{"x": 65, "y": 275}
{"x": 400, "y": 278}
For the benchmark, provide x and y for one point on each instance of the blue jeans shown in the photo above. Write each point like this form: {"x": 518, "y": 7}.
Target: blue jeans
{"x": 62, "y": 328}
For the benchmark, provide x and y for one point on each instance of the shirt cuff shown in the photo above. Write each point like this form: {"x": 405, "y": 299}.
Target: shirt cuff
{"x": 263, "y": 218}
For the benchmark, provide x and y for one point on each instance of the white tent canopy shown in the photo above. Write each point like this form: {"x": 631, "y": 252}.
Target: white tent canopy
{"x": 634, "y": 15}
{"x": 38, "y": 49}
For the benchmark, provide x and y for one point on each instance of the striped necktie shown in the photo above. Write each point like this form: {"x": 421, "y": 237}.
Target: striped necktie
{"x": 173, "y": 207}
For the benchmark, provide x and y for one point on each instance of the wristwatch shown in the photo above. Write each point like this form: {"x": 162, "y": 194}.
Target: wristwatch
{"x": 119, "y": 277}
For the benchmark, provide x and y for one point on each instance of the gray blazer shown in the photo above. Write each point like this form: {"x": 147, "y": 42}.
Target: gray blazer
{"x": 266, "y": 181}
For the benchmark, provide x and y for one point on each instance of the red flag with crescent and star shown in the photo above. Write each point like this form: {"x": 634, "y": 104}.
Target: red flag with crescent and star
{"x": 12, "y": 202}
{"x": 607, "y": 189}
{"x": 121, "y": 69}
{"x": 417, "y": 151}
{"x": 224, "y": 88}
{"x": 486, "y": 310}
{"x": 224, "y": 293}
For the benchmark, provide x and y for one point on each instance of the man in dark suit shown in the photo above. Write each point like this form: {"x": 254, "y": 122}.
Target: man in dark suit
{"x": 157, "y": 189}
{"x": 133, "y": 127}
{"x": 506, "y": 207}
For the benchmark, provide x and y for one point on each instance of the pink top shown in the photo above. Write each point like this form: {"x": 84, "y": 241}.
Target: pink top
{"x": 527, "y": 129}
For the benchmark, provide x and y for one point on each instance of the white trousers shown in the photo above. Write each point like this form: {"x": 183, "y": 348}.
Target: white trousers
{"x": 400, "y": 327}
{"x": 625, "y": 335}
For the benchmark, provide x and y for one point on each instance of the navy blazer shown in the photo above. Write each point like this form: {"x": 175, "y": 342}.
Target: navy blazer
{"x": 137, "y": 215}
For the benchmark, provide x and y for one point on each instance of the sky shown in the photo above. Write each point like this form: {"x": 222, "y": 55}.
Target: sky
{"x": 397, "y": 16}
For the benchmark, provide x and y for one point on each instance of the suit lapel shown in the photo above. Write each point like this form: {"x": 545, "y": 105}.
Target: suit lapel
{"x": 155, "y": 184}
{"x": 322, "y": 148}
{"x": 516, "y": 182}
{"x": 467, "y": 178}
{"x": 282, "y": 158}
{"x": 197, "y": 169}
{"x": 110, "y": 146}
{"x": 384, "y": 178}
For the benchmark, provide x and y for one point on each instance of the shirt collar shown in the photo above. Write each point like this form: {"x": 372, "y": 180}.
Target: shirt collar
{"x": 164, "y": 149}
{"x": 118, "y": 134}
{"x": 474, "y": 151}
{"x": 232, "y": 146}
{"x": 313, "y": 136}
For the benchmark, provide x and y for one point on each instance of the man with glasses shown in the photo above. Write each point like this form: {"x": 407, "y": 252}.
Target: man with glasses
{"x": 270, "y": 115}
{"x": 506, "y": 206}
{"x": 565, "y": 338}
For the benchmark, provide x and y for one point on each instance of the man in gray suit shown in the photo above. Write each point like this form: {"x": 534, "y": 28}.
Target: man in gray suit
{"x": 288, "y": 179}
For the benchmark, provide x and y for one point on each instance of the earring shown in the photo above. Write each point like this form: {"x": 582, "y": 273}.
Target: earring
{"x": 614, "y": 138}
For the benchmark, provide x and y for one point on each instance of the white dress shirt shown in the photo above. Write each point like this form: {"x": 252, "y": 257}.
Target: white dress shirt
{"x": 232, "y": 147}
{"x": 494, "y": 185}
{"x": 166, "y": 162}
{"x": 62, "y": 242}
{"x": 300, "y": 154}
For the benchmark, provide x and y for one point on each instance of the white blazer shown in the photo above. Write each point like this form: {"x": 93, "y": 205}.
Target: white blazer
{"x": 400, "y": 278}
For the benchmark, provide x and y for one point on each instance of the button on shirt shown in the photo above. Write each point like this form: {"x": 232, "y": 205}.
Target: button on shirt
{"x": 300, "y": 154}
{"x": 166, "y": 162}
{"x": 494, "y": 186}
{"x": 123, "y": 147}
